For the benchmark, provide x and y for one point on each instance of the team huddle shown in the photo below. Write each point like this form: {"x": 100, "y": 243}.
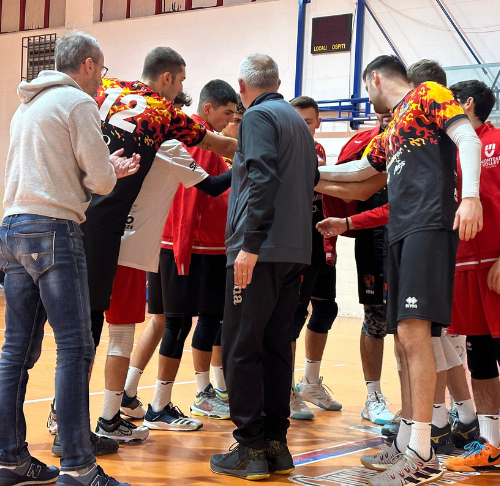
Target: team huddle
{"x": 231, "y": 216}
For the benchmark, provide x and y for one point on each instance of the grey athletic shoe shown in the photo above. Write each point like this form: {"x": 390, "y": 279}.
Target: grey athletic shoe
{"x": 209, "y": 404}
{"x": 382, "y": 460}
{"x": 121, "y": 430}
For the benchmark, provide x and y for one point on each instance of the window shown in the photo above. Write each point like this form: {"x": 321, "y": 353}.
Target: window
{"x": 37, "y": 55}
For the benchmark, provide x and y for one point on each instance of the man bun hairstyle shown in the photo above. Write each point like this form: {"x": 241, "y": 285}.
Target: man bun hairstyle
{"x": 484, "y": 98}
{"x": 162, "y": 60}
{"x": 426, "y": 70}
{"x": 387, "y": 65}
{"x": 304, "y": 102}
{"x": 74, "y": 48}
{"x": 183, "y": 99}
{"x": 218, "y": 93}
{"x": 259, "y": 71}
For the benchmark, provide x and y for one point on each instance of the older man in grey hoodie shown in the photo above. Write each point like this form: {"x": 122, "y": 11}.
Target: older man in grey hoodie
{"x": 57, "y": 158}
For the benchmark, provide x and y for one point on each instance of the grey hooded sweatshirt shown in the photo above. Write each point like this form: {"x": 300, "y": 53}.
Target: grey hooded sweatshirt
{"x": 57, "y": 156}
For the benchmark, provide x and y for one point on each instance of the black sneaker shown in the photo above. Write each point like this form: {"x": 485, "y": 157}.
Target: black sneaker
{"x": 32, "y": 471}
{"x": 121, "y": 430}
{"x": 101, "y": 446}
{"x": 242, "y": 462}
{"x": 442, "y": 439}
{"x": 95, "y": 477}
{"x": 464, "y": 434}
{"x": 279, "y": 459}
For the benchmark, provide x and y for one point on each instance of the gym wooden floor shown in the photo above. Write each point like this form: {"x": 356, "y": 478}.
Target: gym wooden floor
{"x": 326, "y": 450}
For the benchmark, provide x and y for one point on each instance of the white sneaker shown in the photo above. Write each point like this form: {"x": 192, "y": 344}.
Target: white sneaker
{"x": 382, "y": 460}
{"x": 317, "y": 394}
{"x": 121, "y": 430}
{"x": 298, "y": 409}
{"x": 376, "y": 410}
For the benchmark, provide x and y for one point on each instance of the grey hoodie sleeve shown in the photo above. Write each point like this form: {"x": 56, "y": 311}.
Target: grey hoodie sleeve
{"x": 90, "y": 150}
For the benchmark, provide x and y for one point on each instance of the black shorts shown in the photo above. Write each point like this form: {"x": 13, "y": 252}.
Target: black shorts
{"x": 200, "y": 292}
{"x": 420, "y": 275}
{"x": 102, "y": 248}
{"x": 317, "y": 280}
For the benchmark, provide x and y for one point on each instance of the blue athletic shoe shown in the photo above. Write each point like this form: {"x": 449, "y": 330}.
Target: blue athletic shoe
{"x": 132, "y": 407}
{"x": 170, "y": 418}
{"x": 95, "y": 477}
{"x": 32, "y": 471}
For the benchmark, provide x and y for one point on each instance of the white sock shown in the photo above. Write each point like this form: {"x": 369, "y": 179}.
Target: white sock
{"x": 133, "y": 377}
{"x": 311, "y": 372}
{"x": 420, "y": 440}
{"x": 162, "y": 396}
{"x": 218, "y": 373}
{"x": 488, "y": 426}
{"x": 466, "y": 411}
{"x": 439, "y": 415}
{"x": 404, "y": 434}
{"x": 373, "y": 386}
{"x": 111, "y": 404}
{"x": 202, "y": 380}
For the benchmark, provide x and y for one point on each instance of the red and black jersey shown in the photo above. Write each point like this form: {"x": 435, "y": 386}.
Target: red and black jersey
{"x": 139, "y": 120}
{"x": 420, "y": 160}
{"x": 317, "y": 241}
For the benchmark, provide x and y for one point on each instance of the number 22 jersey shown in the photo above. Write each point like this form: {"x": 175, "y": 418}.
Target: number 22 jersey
{"x": 139, "y": 120}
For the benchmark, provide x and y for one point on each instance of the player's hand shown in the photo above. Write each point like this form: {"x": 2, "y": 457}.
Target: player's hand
{"x": 243, "y": 268}
{"x": 494, "y": 277}
{"x": 321, "y": 161}
{"x": 469, "y": 218}
{"x": 331, "y": 227}
{"x": 124, "y": 166}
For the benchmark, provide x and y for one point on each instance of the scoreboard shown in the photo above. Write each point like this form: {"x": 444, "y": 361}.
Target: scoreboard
{"x": 331, "y": 34}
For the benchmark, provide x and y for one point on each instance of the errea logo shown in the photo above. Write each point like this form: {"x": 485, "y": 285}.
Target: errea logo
{"x": 411, "y": 303}
{"x": 489, "y": 150}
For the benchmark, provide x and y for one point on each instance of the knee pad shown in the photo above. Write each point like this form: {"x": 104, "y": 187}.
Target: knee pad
{"x": 458, "y": 342}
{"x": 450, "y": 353}
{"x": 174, "y": 336}
{"x": 299, "y": 319}
{"x": 97, "y": 323}
{"x": 375, "y": 321}
{"x": 121, "y": 340}
{"x": 324, "y": 312}
{"x": 218, "y": 339}
{"x": 481, "y": 357}
{"x": 439, "y": 354}
{"x": 206, "y": 332}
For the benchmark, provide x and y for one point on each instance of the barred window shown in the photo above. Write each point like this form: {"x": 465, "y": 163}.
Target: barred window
{"x": 37, "y": 55}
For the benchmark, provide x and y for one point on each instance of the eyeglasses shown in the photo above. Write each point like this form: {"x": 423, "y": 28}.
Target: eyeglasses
{"x": 104, "y": 69}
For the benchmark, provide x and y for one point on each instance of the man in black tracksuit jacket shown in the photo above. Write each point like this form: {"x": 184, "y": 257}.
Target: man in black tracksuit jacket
{"x": 268, "y": 240}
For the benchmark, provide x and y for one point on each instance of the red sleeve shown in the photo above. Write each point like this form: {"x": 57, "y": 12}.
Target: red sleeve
{"x": 371, "y": 219}
{"x": 320, "y": 151}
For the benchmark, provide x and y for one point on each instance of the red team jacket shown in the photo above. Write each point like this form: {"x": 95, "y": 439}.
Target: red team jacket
{"x": 196, "y": 222}
{"x": 335, "y": 207}
{"x": 484, "y": 249}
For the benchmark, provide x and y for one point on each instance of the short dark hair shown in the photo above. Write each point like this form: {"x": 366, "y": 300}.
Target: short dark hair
{"x": 426, "y": 70}
{"x": 304, "y": 102}
{"x": 218, "y": 93}
{"x": 484, "y": 98}
{"x": 390, "y": 65}
{"x": 182, "y": 99}
{"x": 162, "y": 60}
{"x": 240, "y": 109}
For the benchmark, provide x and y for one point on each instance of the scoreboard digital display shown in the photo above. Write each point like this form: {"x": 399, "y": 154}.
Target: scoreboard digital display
{"x": 331, "y": 34}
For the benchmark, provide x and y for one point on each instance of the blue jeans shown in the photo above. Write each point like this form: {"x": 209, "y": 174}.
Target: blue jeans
{"x": 45, "y": 278}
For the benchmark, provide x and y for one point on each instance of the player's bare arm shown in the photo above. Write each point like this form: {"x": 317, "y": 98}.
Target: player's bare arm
{"x": 360, "y": 191}
{"x": 224, "y": 146}
{"x": 494, "y": 277}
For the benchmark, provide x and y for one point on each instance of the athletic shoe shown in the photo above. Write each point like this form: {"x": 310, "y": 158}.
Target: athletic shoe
{"x": 390, "y": 429}
{"x": 52, "y": 419}
{"x": 317, "y": 394}
{"x": 32, "y": 471}
{"x": 410, "y": 469}
{"x": 132, "y": 407}
{"x": 208, "y": 403}
{"x": 222, "y": 394}
{"x": 279, "y": 459}
{"x": 298, "y": 409}
{"x": 101, "y": 446}
{"x": 480, "y": 456}
{"x": 121, "y": 430}
{"x": 170, "y": 418}
{"x": 376, "y": 410}
{"x": 452, "y": 415}
{"x": 242, "y": 462}
{"x": 95, "y": 477}
{"x": 442, "y": 439}
{"x": 382, "y": 460}
{"x": 464, "y": 434}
